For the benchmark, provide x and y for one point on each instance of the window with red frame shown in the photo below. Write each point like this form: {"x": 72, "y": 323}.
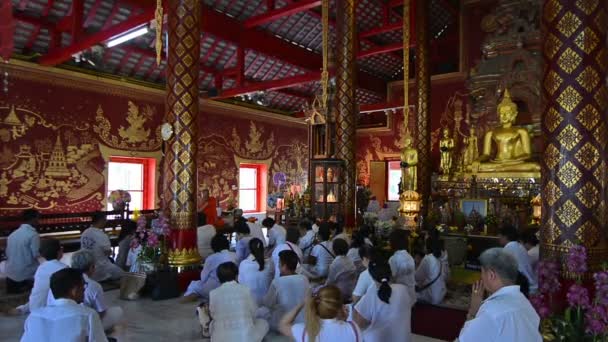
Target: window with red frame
{"x": 135, "y": 175}
{"x": 252, "y": 187}
{"x": 394, "y": 177}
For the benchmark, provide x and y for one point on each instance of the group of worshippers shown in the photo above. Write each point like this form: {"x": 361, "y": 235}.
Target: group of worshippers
{"x": 66, "y": 302}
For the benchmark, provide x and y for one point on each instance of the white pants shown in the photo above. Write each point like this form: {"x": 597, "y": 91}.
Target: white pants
{"x": 255, "y": 333}
{"x": 112, "y": 316}
{"x": 107, "y": 271}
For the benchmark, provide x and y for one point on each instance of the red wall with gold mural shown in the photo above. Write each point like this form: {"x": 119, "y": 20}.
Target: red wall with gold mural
{"x": 54, "y": 126}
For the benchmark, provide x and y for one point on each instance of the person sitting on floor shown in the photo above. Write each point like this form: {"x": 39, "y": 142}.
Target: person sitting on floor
{"x": 506, "y": 315}
{"x": 97, "y": 241}
{"x": 209, "y": 281}
{"x": 276, "y": 233}
{"x": 127, "y": 233}
{"x": 365, "y": 282}
{"x": 204, "y": 233}
{"x": 287, "y": 291}
{"x": 325, "y": 319}
{"x": 233, "y": 309}
{"x": 52, "y": 251}
{"x": 508, "y": 238}
{"x": 291, "y": 244}
{"x": 243, "y": 237}
{"x": 342, "y": 271}
{"x": 307, "y": 239}
{"x": 255, "y": 230}
{"x": 22, "y": 251}
{"x": 430, "y": 283}
{"x": 321, "y": 255}
{"x": 385, "y": 311}
{"x": 94, "y": 297}
{"x": 337, "y": 232}
{"x": 402, "y": 264}
{"x": 64, "y": 319}
{"x": 353, "y": 251}
{"x": 255, "y": 272}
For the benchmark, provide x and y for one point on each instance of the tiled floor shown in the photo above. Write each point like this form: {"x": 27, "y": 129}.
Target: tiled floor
{"x": 146, "y": 321}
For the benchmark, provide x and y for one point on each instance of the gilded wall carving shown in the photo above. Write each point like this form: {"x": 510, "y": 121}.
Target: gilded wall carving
{"x": 136, "y": 135}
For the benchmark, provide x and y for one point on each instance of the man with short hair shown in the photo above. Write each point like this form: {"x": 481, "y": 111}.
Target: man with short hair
{"x": 64, "y": 319}
{"x": 94, "y": 297}
{"x": 22, "y": 250}
{"x": 307, "y": 238}
{"x": 508, "y": 238}
{"x": 97, "y": 241}
{"x": 52, "y": 252}
{"x": 287, "y": 291}
{"x": 233, "y": 309}
{"x": 290, "y": 244}
{"x": 276, "y": 233}
{"x": 506, "y": 315}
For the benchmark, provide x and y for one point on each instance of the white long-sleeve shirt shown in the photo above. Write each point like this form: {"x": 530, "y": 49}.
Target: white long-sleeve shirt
{"x": 42, "y": 279}
{"x": 22, "y": 250}
{"x": 257, "y": 281}
{"x": 431, "y": 269}
{"x": 403, "y": 267}
{"x": 63, "y": 320}
{"x": 276, "y": 235}
{"x": 505, "y": 316}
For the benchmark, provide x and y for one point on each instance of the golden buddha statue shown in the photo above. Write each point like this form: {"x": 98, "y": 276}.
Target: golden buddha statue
{"x": 513, "y": 147}
{"x": 409, "y": 165}
{"x": 446, "y": 145}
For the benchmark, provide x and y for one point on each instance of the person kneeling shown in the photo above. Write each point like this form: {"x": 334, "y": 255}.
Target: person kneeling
{"x": 232, "y": 309}
{"x": 64, "y": 319}
{"x": 94, "y": 297}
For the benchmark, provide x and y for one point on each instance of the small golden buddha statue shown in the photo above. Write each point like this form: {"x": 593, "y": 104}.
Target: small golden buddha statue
{"x": 513, "y": 146}
{"x": 409, "y": 165}
{"x": 446, "y": 145}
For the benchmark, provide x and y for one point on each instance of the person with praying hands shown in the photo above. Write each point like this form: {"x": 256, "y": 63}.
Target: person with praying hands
{"x": 506, "y": 315}
{"x": 255, "y": 272}
{"x": 97, "y": 241}
{"x": 276, "y": 233}
{"x": 321, "y": 255}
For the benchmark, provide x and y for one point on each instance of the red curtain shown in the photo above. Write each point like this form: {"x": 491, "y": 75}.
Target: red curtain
{"x": 7, "y": 29}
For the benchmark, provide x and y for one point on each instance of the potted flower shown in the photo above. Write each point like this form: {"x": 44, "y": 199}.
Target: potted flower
{"x": 147, "y": 242}
{"x": 584, "y": 319}
{"x": 118, "y": 199}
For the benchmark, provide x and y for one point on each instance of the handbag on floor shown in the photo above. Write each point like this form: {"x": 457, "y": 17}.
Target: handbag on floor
{"x": 130, "y": 284}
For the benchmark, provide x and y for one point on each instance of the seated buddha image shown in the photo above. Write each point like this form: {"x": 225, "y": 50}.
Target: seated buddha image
{"x": 512, "y": 144}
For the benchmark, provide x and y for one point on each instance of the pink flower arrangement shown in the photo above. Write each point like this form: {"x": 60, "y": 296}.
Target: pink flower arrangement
{"x": 539, "y": 303}
{"x": 118, "y": 199}
{"x": 147, "y": 239}
{"x": 578, "y": 296}
{"x": 548, "y": 276}
{"x": 600, "y": 280}
{"x": 160, "y": 226}
{"x": 597, "y": 320}
{"x": 576, "y": 260}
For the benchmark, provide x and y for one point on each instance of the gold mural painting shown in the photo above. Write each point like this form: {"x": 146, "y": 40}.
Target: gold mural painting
{"x": 135, "y": 135}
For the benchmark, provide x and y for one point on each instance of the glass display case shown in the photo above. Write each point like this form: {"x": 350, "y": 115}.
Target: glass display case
{"x": 326, "y": 180}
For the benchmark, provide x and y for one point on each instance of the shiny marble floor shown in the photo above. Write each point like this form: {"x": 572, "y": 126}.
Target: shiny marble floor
{"x": 146, "y": 321}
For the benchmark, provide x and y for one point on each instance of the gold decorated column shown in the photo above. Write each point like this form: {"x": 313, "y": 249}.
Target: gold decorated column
{"x": 423, "y": 102}
{"x": 179, "y": 188}
{"x": 345, "y": 105}
{"x": 574, "y": 179}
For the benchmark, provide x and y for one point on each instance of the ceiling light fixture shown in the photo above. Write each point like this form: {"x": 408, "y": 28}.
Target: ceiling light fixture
{"x": 127, "y": 36}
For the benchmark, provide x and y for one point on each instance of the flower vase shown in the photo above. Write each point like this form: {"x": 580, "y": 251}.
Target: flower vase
{"x": 148, "y": 267}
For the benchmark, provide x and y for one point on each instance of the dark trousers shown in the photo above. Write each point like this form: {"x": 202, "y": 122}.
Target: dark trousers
{"x": 18, "y": 286}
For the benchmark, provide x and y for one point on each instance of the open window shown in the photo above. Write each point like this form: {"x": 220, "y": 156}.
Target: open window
{"x": 135, "y": 175}
{"x": 393, "y": 180}
{"x": 252, "y": 187}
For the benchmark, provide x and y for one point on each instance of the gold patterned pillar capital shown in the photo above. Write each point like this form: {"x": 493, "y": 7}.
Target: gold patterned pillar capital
{"x": 423, "y": 102}
{"x": 345, "y": 105}
{"x": 574, "y": 173}
{"x": 179, "y": 188}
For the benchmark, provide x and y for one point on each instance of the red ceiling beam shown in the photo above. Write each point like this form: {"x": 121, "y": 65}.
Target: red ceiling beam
{"x": 271, "y": 85}
{"x": 272, "y": 15}
{"x": 380, "y": 50}
{"x": 57, "y": 56}
{"x": 382, "y": 29}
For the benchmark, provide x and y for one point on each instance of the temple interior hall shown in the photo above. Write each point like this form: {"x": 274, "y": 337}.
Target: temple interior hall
{"x": 303, "y": 170}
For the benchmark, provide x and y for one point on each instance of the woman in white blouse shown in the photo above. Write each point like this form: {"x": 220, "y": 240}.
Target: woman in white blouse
{"x": 402, "y": 264}
{"x": 430, "y": 282}
{"x": 255, "y": 272}
{"x": 384, "y": 312}
{"x": 325, "y": 319}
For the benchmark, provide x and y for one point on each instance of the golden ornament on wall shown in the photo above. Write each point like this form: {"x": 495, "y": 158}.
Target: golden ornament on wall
{"x": 135, "y": 136}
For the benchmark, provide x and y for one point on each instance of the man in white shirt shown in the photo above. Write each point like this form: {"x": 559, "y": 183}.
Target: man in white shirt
{"x": 64, "y": 319}
{"x": 255, "y": 230}
{"x": 365, "y": 281}
{"x": 22, "y": 250}
{"x": 233, "y": 310}
{"x": 291, "y": 244}
{"x": 342, "y": 271}
{"x": 276, "y": 233}
{"x": 530, "y": 242}
{"x": 321, "y": 255}
{"x": 307, "y": 239}
{"x": 287, "y": 291}
{"x": 97, "y": 241}
{"x": 204, "y": 234}
{"x": 94, "y": 297}
{"x": 52, "y": 252}
{"x": 508, "y": 238}
{"x": 506, "y": 315}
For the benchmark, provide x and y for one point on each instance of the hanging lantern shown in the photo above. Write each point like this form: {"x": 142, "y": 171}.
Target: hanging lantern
{"x": 410, "y": 207}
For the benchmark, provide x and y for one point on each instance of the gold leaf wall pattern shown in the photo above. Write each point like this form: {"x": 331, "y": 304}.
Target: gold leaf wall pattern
{"x": 135, "y": 136}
